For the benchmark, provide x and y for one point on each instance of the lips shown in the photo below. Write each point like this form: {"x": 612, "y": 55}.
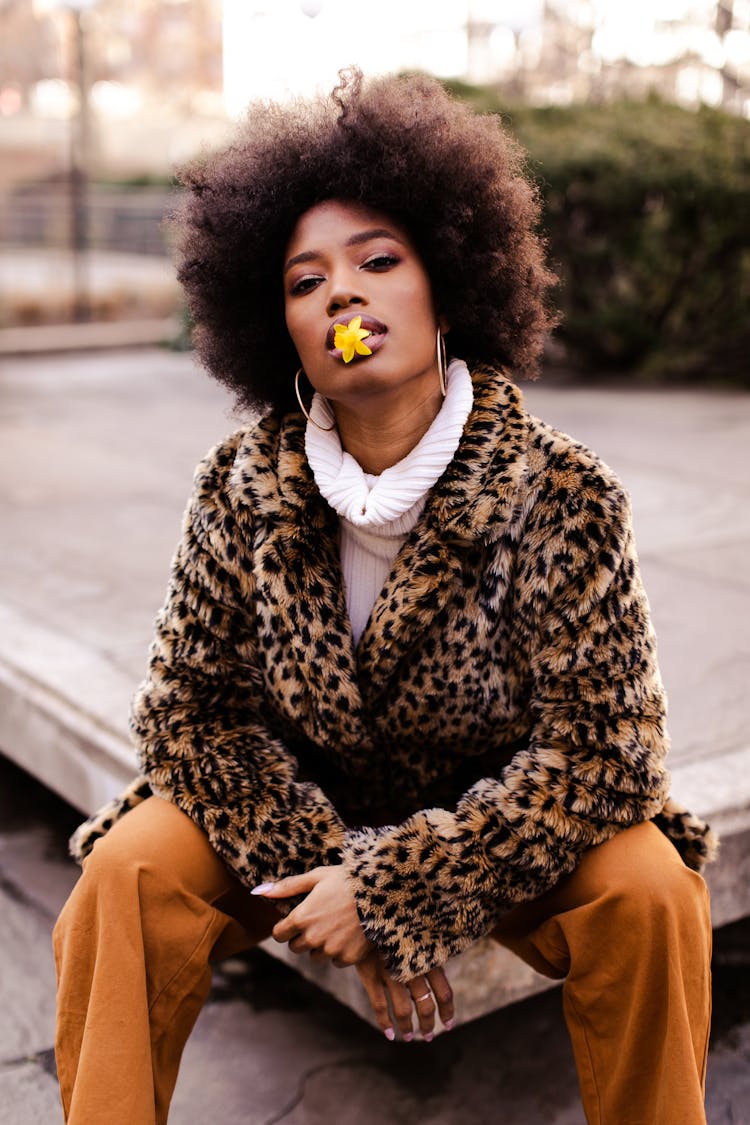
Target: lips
{"x": 376, "y": 329}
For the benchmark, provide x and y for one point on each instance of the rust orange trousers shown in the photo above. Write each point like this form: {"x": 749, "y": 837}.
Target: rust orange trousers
{"x": 629, "y": 931}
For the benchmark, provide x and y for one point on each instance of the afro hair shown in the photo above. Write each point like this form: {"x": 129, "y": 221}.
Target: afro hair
{"x": 402, "y": 145}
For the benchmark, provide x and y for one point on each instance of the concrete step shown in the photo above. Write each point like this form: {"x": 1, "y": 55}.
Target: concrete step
{"x": 96, "y": 455}
{"x": 62, "y": 718}
{"x": 88, "y": 336}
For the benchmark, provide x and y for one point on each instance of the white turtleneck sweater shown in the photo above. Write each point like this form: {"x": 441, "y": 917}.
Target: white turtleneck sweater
{"x": 378, "y": 512}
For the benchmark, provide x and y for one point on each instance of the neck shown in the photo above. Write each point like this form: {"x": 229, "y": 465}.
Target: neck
{"x": 384, "y": 434}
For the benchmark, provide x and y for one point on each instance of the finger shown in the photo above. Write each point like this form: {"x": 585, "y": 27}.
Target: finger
{"x": 295, "y": 922}
{"x": 378, "y": 997}
{"x": 297, "y": 928}
{"x": 443, "y": 994}
{"x": 424, "y": 1006}
{"x": 285, "y": 930}
{"x": 402, "y": 1007}
{"x": 287, "y": 888}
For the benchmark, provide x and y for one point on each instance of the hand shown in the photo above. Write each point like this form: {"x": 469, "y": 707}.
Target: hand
{"x": 421, "y": 995}
{"x": 326, "y": 925}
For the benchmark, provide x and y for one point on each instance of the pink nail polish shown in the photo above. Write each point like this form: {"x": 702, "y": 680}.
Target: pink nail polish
{"x": 449, "y": 1024}
{"x": 409, "y": 1037}
{"x": 262, "y": 888}
{"x": 428, "y": 1036}
{"x": 390, "y": 1034}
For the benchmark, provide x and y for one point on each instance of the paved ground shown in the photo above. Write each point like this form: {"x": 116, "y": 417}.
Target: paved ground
{"x": 269, "y": 1047}
{"x": 96, "y": 455}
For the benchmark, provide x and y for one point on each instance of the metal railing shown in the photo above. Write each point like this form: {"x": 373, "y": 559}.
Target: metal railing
{"x": 130, "y": 220}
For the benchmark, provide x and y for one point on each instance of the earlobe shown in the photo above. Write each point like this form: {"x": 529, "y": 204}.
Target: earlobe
{"x": 443, "y": 325}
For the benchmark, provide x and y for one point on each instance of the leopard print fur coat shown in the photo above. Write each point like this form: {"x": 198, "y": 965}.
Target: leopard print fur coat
{"x": 502, "y": 712}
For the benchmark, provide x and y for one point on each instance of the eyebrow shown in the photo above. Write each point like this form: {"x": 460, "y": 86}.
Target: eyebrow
{"x": 355, "y": 240}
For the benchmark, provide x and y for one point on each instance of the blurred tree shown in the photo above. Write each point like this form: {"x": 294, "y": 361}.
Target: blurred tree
{"x": 648, "y": 223}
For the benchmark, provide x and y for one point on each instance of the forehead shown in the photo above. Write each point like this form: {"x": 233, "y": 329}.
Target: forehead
{"x": 334, "y": 221}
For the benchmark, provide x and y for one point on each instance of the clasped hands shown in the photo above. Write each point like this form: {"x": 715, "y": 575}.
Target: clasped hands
{"x": 326, "y": 925}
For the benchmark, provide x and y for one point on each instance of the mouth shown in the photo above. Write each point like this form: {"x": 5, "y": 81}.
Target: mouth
{"x": 375, "y": 338}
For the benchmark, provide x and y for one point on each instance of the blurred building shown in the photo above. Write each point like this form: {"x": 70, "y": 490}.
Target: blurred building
{"x": 97, "y": 92}
{"x": 166, "y": 54}
{"x": 162, "y": 77}
{"x": 162, "y": 52}
{"x": 153, "y": 70}
{"x": 561, "y": 51}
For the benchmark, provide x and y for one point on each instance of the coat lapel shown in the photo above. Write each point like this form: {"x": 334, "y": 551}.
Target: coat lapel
{"x": 474, "y": 502}
{"x": 301, "y": 599}
{"x": 417, "y": 589}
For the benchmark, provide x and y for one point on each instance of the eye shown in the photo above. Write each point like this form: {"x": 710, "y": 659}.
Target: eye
{"x": 381, "y": 262}
{"x": 304, "y": 285}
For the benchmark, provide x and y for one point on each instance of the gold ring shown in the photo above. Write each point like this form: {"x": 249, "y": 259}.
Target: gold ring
{"x": 427, "y": 996}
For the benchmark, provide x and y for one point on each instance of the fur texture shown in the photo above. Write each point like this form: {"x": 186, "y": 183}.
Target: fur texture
{"x": 502, "y": 712}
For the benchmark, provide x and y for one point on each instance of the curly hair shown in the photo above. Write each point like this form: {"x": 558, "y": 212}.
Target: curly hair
{"x": 401, "y": 145}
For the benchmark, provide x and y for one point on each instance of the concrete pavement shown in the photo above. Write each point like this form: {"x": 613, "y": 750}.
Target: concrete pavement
{"x": 271, "y": 1048}
{"x": 97, "y": 453}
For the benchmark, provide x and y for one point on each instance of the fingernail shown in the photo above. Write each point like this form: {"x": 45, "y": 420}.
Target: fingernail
{"x": 428, "y": 1036}
{"x": 262, "y": 888}
{"x": 408, "y": 1037}
{"x": 390, "y": 1034}
{"x": 449, "y": 1024}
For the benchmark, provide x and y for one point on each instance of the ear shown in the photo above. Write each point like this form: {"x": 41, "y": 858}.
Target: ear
{"x": 443, "y": 325}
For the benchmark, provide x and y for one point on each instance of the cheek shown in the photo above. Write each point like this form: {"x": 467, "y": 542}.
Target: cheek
{"x": 423, "y": 322}
{"x": 416, "y": 297}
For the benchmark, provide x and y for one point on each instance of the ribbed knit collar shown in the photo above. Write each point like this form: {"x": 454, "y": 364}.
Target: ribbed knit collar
{"x": 374, "y": 501}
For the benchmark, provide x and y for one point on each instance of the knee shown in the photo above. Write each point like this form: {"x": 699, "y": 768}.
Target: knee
{"x": 126, "y": 888}
{"x": 153, "y": 858}
{"x": 122, "y": 869}
{"x": 105, "y": 894}
{"x": 652, "y": 890}
{"x": 154, "y": 837}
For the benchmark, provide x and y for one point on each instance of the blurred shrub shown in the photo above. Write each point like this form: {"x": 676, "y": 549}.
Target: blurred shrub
{"x": 648, "y": 221}
{"x": 182, "y": 341}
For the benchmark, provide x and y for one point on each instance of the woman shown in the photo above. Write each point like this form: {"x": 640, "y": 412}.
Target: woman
{"x": 403, "y": 691}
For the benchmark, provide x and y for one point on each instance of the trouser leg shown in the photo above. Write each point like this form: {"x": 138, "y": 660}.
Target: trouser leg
{"x": 630, "y": 932}
{"x": 132, "y": 948}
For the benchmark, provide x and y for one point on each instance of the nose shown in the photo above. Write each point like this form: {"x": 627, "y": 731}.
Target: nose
{"x": 343, "y": 295}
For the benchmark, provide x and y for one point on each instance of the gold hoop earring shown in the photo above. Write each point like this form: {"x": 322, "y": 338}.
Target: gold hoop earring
{"x": 442, "y": 362}
{"x": 309, "y": 417}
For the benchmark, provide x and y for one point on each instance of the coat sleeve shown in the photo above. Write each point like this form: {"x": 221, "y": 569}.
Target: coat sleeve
{"x": 428, "y": 887}
{"x": 198, "y": 718}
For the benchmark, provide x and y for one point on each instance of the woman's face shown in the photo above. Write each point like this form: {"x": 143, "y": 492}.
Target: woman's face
{"x": 345, "y": 260}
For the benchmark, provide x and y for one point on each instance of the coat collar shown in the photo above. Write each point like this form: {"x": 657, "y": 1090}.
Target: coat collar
{"x": 473, "y": 499}
{"x": 298, "y": 572}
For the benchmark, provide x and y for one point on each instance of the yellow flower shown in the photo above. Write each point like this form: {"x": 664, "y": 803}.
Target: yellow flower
{"x": 349, "y": 338}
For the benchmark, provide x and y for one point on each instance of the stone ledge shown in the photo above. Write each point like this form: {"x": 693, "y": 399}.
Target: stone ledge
{"x": 63, "y": 713}
{"x": 483, "y": 978}
{"x": 62, "y": 718}
{"x": 87, "y": 336}
{"x": 487, "y": 976}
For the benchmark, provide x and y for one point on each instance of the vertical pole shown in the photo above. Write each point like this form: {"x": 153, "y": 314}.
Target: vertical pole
{"x": 79, "y": 138}
{"x": 723, "y": 20}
